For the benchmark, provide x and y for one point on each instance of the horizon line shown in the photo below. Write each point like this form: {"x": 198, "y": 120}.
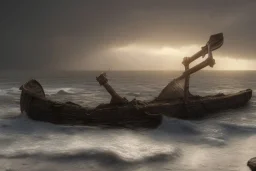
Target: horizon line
{"x": 102, "y": 70}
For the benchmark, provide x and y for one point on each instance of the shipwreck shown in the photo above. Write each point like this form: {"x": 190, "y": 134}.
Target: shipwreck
{"x": 174, "y": 100}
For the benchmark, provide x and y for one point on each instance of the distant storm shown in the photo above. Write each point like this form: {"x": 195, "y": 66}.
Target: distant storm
{"x": 123, "y": 35}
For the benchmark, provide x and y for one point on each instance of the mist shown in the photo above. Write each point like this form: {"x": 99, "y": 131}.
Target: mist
{"x": 82, "y": 34}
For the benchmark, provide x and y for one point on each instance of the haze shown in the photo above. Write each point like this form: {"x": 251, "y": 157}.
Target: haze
{"x": 123, "y": 35}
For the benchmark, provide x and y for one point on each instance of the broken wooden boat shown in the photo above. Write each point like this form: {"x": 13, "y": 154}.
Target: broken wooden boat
{"x": 38, "y": 107}
{"x": 175, "y": 100}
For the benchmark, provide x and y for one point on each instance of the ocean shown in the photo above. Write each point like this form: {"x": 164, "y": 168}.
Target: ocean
{"x": 224, "y": 142}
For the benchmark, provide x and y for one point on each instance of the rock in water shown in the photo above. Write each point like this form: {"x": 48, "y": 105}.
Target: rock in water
{"x": 252, "y": 164}
{"x": 62, "y": 92}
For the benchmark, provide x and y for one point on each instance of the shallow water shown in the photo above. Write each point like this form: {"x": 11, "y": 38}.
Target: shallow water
{"x": 223, "y": 142}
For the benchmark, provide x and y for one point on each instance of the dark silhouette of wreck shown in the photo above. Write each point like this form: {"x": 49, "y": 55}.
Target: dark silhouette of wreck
{"x": 175, "y": 100}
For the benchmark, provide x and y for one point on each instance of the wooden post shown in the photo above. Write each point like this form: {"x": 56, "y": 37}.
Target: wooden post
{"x": 215, "y": 42}
{"x": 116, "y": 99}
{"x": 186, "y": 84}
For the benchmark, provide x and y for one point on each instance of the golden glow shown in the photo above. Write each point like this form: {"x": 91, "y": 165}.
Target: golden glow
{"x": 163, "y": 51}
{"x": 227, "y": 63}
{"x": 170, "y": 58}
{"x": 138, "y": 57}
{"x": 141, "y": 57}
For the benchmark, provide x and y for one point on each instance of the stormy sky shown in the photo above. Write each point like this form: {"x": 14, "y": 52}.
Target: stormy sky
{"x": 121, "y": 34}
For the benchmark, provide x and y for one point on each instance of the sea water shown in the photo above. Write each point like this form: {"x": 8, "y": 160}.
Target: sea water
{"x": 223, "y": 142}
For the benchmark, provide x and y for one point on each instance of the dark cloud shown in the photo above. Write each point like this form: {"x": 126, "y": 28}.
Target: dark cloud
{"x": 53, "y": 33}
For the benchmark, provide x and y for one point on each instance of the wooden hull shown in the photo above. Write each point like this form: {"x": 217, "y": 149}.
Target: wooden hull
{"x": 133, "y": 114}
{"x": 201, "y": 107}
{"x": 37, "y": 107}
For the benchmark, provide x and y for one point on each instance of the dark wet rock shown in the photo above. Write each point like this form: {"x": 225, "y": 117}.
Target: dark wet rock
{"x": 252, "y": 164}
{"x": 62, "y": 92}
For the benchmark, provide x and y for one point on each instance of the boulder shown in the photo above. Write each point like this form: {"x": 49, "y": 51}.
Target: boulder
{"x": 252, "y": 164}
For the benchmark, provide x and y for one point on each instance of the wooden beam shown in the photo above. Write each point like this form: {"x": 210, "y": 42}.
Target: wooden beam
{"x": 186, "y": 85}
{"x": 116, "y": 99}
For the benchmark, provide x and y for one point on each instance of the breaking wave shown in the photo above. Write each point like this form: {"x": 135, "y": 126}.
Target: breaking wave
{"x": 22, "y": 138}
{"x": 9, "y": 91}
{"x": 62, "y": 91}
{"x": 133, "y": 94}
{"x": 102, "y": 156}
{"x": 238, "y": 129}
